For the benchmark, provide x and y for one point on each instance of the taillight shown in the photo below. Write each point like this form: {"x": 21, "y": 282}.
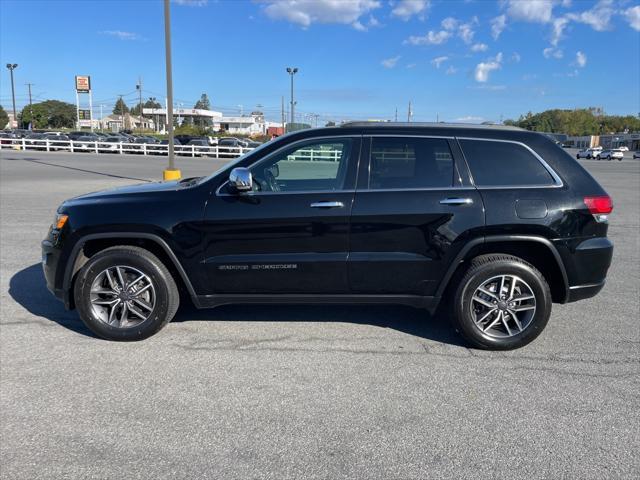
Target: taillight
{"x": 600, "y": 207}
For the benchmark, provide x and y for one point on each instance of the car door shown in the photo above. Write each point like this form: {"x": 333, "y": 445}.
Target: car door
{"x": 413, "y": 210}
{"x": 289, "y": 234}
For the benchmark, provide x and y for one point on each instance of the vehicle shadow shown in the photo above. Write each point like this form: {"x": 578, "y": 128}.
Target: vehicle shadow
{"x": 27, "y": 287}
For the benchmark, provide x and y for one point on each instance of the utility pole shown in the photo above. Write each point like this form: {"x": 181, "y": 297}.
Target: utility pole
{"x": 139, "y": 88}
{"x": 292, "y": 71}
{"x": 171, "y": 173}
{"x": 409, "y": 112}
{"x": 12, "y": 67}
{"x": 396, "y": 117}
{"x": 121, "y": 113}
{"x": 282, "y": 113}
{"x": 30, "y": 105}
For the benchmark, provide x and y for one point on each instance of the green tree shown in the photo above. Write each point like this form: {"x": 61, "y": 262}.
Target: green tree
{"x": 49, "y": 114}
{"x": 4, "y": 118}
{"x": 151, "y": 103}
{"x": 120, "y": 108}
{"x": 203, "y": 104}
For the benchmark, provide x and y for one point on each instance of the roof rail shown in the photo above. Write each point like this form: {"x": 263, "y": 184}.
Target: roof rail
{"x": 427, "y": 124}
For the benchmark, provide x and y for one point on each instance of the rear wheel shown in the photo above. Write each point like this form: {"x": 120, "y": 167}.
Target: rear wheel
{"x": 125, "y": 293}
{"x": 501, "y": 303}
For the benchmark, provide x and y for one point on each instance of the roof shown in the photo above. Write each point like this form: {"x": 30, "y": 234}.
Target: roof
{"x": 429, "y": 124}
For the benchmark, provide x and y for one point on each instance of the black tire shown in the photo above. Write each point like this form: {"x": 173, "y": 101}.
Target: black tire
{"x": 167, "y": 298}
{"x": 609, "y": 158}
{"x": 480, "y": 270}
{"x": 577, "y": 157}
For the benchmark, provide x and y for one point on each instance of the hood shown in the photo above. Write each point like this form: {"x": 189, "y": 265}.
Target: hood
{"x": 134, "y": 190}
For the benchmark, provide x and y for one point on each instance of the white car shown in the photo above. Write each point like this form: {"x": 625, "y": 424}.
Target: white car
{"x": 636, "y": 154}
{"x": 588, "y": 153}
{"x": 623, "y": 148}
{"x": 612, "y": 154}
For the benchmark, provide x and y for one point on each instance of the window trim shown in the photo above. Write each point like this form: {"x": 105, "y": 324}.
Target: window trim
{"x": 219, "y": 192}
{"x": 557, "y": 181}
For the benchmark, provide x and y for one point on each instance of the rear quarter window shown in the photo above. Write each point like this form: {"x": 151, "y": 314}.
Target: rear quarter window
{"x": 503, "y": 164}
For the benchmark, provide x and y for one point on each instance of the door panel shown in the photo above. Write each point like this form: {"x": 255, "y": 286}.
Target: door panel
{"x": 281, "y": 238}
{"x": 403, "y": 239}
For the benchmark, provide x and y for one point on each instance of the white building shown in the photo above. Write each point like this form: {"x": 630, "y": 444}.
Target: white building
{"x": 116, "y": 122}
{"x": 159, "y": 115}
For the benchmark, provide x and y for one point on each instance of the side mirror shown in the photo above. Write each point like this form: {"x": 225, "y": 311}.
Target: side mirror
{"x": 240, "y": 180}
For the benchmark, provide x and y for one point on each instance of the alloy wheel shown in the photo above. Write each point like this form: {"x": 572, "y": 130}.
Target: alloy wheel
{"x": 503, "y": 306}
{"x": 122, "y": 296}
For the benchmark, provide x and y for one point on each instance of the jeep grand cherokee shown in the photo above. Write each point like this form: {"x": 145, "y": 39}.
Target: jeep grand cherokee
{"x": 494, "y": 223}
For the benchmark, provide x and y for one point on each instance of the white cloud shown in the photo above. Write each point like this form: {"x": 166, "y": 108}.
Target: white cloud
{"x": 191, "y": 3}
{"x": 122, "y": 35}
{"x": 411, "y": 65}
{"x": 598, "y": 18}
{"x": 431, "y": 38}
{"x": 537, "y": 11}
{"x": 516, "y": 57}
{"x": 307, "y": 12}
{"x": 552, "y": 52}
{"x": 451, "y": 70}
{"x": 390, "y": 62}
{"x": 633, "y": 17}
{"x": 449, "y": 23}
{"x": 483, "y": 69}
{"x": 479, "y": 47}
{"x": 439, "y": 61}
{"x": 497, "y": 26}
{"x": 406, "y": 9}
{"x": 466, "y": 32}
{"x": 581, "y": 59}
{"x": 559, "y": 24}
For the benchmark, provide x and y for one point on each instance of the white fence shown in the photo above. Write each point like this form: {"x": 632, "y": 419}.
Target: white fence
{"x": 120, "y": 147}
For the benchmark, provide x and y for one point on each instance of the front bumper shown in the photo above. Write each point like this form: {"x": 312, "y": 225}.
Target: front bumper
{"x": 50, "y": 262}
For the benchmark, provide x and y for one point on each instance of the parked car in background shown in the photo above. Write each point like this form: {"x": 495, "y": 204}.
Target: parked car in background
{"x": 110, "y": 144}
{"x": 86, "y": 143}
{"x": 57, "y": 141}
{"x": 611, "y": 154}
{"x": 623, "y": 148}
{"x": 200, "y": 146}
{"x": 229, "y": 147}
{"x": 588, "y": 153}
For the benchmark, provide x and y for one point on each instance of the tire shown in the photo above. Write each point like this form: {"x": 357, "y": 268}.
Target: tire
{"x": 577, "y": 157}
{"x": 161, "y": 299}
{"x": 529, "y": 283}
{"x": 609, "y": 158}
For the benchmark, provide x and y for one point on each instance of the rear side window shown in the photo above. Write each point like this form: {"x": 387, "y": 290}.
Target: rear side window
{"x": 504, "y": 164}
{"x": 410, "y": 163}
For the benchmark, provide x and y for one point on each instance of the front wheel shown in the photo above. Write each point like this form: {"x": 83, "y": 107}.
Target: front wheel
{"x": 125, "y": 293}
{"x": 501, "y": 303}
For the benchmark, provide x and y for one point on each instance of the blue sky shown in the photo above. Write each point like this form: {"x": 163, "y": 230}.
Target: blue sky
{"x": 455, "y": 60}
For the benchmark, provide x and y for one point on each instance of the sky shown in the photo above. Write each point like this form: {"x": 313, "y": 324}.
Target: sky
{"x": 462, "y": 61}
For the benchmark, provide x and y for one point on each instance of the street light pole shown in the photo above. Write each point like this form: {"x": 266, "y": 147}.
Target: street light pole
{"x": 30, "y": 105}
{"x": 171, "y": 173}
{"x": 292, "y": 71}
{"x": 12, "y": 67}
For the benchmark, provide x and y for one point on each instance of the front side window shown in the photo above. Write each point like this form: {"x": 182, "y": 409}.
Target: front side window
{"x": 504, "y": 164}
{"x": 313, "y": 166}
{"x": 410, "y": 163}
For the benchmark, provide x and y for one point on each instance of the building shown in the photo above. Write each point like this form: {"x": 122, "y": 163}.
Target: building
{"x": 613, "y": 140}
{"x": 160, "y": 115}
{"x": 115, "y": 122}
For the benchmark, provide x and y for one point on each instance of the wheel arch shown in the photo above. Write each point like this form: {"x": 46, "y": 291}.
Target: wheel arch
{"x": 90, "y": 244}
{"x": 537, "y": 250}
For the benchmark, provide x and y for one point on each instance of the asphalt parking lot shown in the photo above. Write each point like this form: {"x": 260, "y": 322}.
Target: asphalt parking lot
{"x": 305, "y": 392}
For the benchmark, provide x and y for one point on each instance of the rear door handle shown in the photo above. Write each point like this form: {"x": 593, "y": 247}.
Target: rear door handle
{"x": 327, "y": 205}
{"x": 456, "y": 201}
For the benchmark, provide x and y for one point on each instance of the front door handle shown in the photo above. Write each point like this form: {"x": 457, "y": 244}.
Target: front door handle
{"x": 327, "y": 205}
{"x": 456, "y": 201}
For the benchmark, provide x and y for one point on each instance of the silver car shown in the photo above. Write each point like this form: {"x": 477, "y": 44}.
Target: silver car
{"x": 611, "y": 154}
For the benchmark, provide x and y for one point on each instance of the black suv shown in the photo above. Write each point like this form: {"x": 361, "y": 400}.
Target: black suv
{"x": 494, "y": 222}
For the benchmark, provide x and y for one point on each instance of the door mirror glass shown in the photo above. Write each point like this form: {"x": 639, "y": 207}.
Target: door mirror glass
{"x": 240, "y": 180}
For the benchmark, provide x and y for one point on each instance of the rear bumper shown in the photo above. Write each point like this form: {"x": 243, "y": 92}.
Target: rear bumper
{"x": 587, "y": 264}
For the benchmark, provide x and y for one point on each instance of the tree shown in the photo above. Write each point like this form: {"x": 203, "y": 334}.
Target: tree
{"x": 151, "y": 103}
{"x": 120, "y": 107}
{"x": 330, "y": 123}
{"x": 4, "y": 118}
{"x": 49, "y": 114}
{"x": 203, "y": 104}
